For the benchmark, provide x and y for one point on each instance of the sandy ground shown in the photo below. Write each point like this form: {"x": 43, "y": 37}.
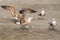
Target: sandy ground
{"x": 38, "y": 28}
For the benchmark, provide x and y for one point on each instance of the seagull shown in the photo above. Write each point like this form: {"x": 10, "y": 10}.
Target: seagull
{"x": 42, "y": 13}
{"x": 52, "y": 24}
{"x": 26, "y": 19}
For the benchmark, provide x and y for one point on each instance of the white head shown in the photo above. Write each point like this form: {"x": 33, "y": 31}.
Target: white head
{"x": 53, "y": 19}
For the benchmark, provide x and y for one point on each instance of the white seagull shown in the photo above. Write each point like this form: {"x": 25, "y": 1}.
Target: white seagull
{"x": 42, "y": 13}
{"x": 52, "y": 24}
